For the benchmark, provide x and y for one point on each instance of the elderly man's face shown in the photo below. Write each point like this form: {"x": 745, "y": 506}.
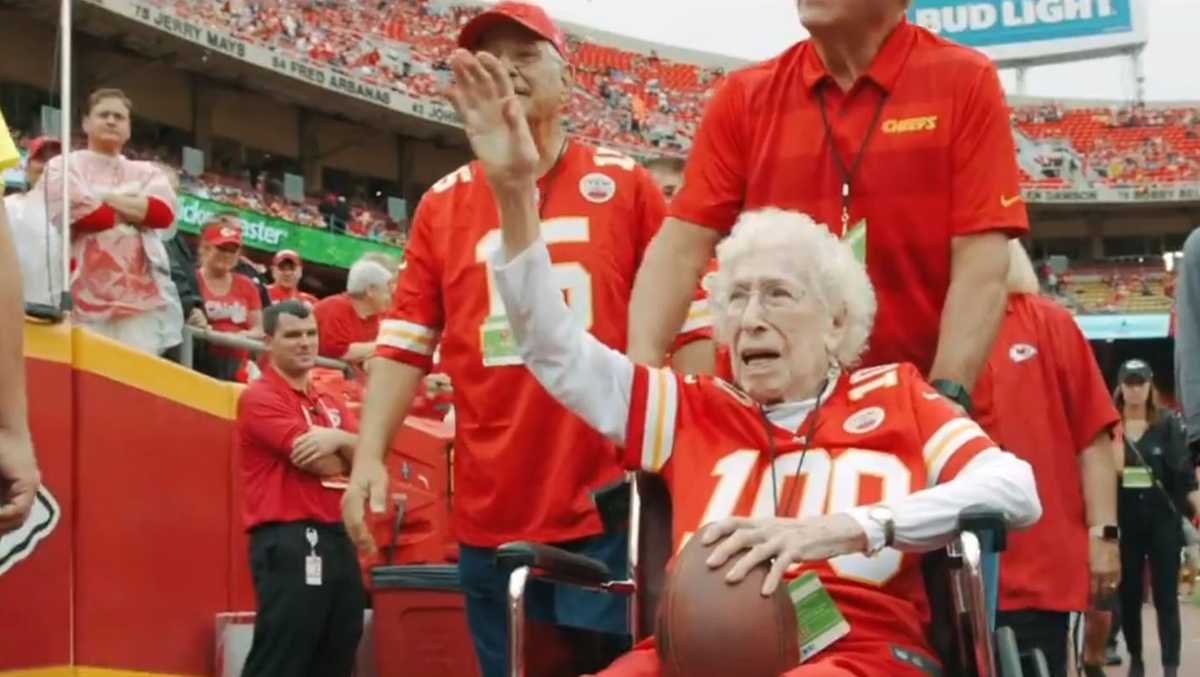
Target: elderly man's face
{"x": 539, "y": 76}
{"x": 380, "y": 296}
{"x": 293, "y": 346}
{"x": 825, "y": 14}
{"x": 779, "y": 333}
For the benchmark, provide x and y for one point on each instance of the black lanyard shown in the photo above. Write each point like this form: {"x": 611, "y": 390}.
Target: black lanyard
{"x": 769, "y": 429}
{"x": 847, "y": 173}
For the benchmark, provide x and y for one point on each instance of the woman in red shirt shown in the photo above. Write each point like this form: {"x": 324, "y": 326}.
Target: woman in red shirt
{"x": 231, "y": 301}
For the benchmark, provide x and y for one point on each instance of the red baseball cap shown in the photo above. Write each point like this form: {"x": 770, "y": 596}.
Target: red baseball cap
{"x": 44, "y": 143}
{"x": 218, "y": 234}
{"x": 524, "y": 14}
{"x": 286, "y": 255}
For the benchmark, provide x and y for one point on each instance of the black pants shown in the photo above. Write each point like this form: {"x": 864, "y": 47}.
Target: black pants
{"x": 1035, "y": 629}
{"x": 304, "y": 629}
{"x": 1160, "y": 544}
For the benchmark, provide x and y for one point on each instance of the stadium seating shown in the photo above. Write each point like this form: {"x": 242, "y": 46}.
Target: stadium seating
{"x": 1123, "y": 146}
{"x": 646, "y": 104}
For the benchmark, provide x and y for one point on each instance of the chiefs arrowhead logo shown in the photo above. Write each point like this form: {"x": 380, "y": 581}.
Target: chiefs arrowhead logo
{"x": 20, "y": 544}
{"x": 228, "y": 232}
{"x": 1019, "y": 352}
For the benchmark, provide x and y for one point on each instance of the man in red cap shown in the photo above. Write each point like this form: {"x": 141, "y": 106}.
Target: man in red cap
{"x": 599, "y": 211}
{"x": 286, "y": 270}
{"x": 39, "y": 247}
{"x": 41, "y": 150}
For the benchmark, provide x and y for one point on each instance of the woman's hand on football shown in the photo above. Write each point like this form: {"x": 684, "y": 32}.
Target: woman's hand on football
{"x": 780, "y": 542}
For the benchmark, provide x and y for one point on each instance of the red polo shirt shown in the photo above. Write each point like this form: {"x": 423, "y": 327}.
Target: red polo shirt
{"x": 940, "y": 163}
{"x": 1044, "y": 399}
{"x": 271, "y": 414}
{"x": 340, "y": 325}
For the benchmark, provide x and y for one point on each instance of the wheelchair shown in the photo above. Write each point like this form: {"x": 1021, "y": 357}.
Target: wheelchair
{"x": 961, "y": 581}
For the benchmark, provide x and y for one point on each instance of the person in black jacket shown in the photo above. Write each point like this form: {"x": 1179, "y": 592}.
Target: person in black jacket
{"x": 1157, "y": 490}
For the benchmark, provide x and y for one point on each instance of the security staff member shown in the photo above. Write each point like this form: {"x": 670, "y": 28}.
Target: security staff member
{"x": 1157, "y": 490}
{"x": 305, "y": 570}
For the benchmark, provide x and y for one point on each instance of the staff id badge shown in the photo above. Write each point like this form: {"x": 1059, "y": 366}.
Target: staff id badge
{"x": 312, "y": 563}
{"x": 819, "y": 622}
{"x": 1137, "y": 477}
{"x": 497, "y": 343}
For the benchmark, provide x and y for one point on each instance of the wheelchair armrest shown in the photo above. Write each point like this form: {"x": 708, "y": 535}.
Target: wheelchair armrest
{"x": 550, "y": 562}
{"x": 989, "y": 526}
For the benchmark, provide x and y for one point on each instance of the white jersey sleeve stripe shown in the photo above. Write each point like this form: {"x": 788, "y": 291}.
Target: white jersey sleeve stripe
{"x": 407, "y": 336}
{"x": 658, "y": 436}
{"x": 934, "y": 445}
{"x": 950, "y": 447}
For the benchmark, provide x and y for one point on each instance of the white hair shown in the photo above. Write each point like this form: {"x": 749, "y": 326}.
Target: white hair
{"x": 824, "y": 264}
{"x": 365, "y": 273}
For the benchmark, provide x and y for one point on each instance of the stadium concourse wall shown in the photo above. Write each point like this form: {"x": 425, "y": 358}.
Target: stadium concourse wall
{"x": 137, "y": 542}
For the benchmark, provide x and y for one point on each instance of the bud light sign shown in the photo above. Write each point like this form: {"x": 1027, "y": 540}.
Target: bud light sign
{"x": 991, "y": 23}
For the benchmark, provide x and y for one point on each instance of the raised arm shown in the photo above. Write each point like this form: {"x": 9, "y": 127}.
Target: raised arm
{"x": 587, "y": 377}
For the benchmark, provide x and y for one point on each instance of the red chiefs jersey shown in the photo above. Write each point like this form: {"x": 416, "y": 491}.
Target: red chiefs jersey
{"x": 524, "y": 465}
{"x": 881, "y": 434}
{"x": 230, "y": 312}
{"x": 1041, "y": 363}
{"x": 278, "y": 293}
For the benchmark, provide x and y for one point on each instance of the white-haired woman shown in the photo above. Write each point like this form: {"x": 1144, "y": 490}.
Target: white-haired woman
{"x": 804, "y": 464}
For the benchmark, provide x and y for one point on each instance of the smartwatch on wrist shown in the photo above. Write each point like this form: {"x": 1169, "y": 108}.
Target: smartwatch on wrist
{"x": 955, "y": 392}
{"x": 1105, "y": 532}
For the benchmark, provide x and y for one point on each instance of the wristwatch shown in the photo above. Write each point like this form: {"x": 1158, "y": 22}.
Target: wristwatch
{"x": 953, "y": 391}
{"x": 883, "y": 516}
{"x": 1105, "y": 532}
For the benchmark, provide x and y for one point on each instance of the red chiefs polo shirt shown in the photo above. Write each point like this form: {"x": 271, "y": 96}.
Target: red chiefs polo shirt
{"x": 340, "y": 325}
{"x": 1044, "y": 399}
{"x": 939, "y": 163}
{"x": 271, "y": 414}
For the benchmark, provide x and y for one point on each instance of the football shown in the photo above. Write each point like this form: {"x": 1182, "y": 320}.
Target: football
{"x": 707, "y": 627}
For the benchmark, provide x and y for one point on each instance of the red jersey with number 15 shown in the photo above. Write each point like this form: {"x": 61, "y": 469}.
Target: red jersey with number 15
{"x": 524, "y": 466}
{"x": 881, "y": 434}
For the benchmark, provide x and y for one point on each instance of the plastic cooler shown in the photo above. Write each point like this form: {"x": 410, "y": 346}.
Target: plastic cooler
{"x": 415, "y": 529}
{"x": 420, "y": 623}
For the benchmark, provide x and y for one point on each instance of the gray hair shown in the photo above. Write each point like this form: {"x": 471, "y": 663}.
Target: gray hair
{"x": 825, "y": 265}
{"x": 365, "y": 273}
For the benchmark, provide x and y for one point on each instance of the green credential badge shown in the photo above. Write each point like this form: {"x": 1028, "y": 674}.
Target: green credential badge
{"x": 856, "y": 238}
{"x": 498, "y": 343}
{"x": 819, "y": 622}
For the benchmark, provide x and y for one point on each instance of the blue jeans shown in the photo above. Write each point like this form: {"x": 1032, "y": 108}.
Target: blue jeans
{"x": 485, "y": 586}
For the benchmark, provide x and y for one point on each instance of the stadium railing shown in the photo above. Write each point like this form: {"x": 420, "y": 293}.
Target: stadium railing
{"x": 187, "y": 353}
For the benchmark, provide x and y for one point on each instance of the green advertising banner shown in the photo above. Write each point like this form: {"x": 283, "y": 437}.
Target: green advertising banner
{"x": 271, "y": 234}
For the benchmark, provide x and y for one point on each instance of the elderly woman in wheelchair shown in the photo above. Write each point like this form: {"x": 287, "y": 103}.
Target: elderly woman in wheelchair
{"x": 803, "y": 463}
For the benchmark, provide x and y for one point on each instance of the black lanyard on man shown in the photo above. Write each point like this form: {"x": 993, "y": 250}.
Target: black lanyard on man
{"x": 847, "y": 172}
